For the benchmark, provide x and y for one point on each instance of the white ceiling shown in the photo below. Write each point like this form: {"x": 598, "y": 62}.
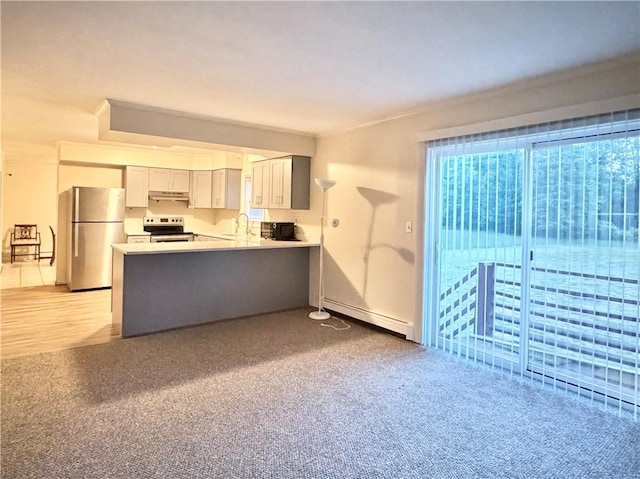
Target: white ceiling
{"x": 313, "y": 67}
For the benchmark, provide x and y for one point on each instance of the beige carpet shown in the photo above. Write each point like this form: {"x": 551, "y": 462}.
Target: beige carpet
{"x": 279, "y": 396}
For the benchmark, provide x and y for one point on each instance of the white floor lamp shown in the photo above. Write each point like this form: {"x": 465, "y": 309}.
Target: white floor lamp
{"x": 321, "y": 314}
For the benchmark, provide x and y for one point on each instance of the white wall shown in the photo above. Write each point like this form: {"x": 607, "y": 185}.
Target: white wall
{"x": 29, "y": 196}
{"x": 1, "y": 200}
{"x": 373, "y": 268}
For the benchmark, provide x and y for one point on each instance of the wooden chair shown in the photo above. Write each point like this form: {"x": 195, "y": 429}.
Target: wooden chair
{"x": 25, "y": 237}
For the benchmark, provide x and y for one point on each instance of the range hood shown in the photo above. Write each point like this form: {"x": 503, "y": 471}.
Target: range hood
{"x": 168, "y": 196}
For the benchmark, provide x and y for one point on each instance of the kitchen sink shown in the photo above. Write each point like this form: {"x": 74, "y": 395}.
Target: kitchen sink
{"x": 234, "y": 237}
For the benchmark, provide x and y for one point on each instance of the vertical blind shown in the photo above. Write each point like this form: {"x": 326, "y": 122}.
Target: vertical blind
{"x": 534, "y": 255}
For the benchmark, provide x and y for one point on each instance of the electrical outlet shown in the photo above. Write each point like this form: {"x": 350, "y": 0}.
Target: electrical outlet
{"x": 407, "y": 227}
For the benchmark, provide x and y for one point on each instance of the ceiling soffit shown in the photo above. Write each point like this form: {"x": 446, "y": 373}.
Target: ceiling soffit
{"x": 143, "y": 125}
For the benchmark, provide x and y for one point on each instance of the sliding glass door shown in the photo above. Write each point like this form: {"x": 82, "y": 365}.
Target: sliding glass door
{"x": 533, "y": 258}
{"x": 480, "y": 231}
{"x": 583, "y": 294}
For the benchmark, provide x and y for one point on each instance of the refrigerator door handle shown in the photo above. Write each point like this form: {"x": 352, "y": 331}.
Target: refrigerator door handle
{"x": 75, "y": 240}
{"x": 76, "y": 204}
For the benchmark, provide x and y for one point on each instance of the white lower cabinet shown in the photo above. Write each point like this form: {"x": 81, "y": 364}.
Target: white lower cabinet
{"x": 200, "y": 237}
{"x": 138, "y": 238}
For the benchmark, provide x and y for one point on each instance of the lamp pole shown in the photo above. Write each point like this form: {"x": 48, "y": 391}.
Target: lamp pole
{"x": 320, "y": 314}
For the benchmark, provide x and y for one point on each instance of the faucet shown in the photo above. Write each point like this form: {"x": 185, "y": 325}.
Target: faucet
{"x": 247, "y": 230}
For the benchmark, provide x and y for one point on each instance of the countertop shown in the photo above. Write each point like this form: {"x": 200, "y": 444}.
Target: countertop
{"x": 215, "y": 245}
{"x": 203, "y": 233}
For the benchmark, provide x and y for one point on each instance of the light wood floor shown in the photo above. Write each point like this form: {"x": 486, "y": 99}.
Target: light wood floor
{"x": 37, "y": 316}
{"x": 26, "y": 273}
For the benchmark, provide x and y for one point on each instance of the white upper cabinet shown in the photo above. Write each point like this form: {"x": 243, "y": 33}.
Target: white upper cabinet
{"x": 260, "y": 184}
{"x": 226, "y": 189}
{"x": 166, "y": 179}
{"x": 280, "y": 188}
{"x": 281, "y": 183}
{"x": 159, "y": 179}
{"x": 180, "y": 181}
{"x": 136, "y": 184}
{"x": 201, "y": 190}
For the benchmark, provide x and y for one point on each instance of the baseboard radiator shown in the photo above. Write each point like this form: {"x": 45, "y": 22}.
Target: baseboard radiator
{"x": 371, "y": 317}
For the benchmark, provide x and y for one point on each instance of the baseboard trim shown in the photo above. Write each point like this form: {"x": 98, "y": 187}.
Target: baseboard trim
{"x": 365, "y": 315}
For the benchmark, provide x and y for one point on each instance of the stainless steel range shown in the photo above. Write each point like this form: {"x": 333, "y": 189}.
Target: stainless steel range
{"x": 164, "y": 229}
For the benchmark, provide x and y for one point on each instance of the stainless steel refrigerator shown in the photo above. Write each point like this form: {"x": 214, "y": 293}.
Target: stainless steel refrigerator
{"x": 96, "y": 222}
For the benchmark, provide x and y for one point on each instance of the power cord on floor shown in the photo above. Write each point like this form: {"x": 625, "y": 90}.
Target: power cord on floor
{"x": 346, "y": 326}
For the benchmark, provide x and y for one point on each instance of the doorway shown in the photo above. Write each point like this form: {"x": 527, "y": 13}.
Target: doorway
{"x": 532, "y": 253}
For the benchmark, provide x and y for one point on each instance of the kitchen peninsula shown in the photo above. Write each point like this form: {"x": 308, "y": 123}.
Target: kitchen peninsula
{"x": 161, "y": 286}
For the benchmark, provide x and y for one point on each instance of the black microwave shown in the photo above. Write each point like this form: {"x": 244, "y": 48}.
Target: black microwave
{"x": 281, "y": 231}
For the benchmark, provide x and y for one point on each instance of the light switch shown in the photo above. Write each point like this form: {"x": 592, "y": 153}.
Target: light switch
{"x": 407, "y": 227}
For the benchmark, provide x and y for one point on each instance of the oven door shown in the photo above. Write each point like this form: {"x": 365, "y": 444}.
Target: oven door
{"x": 170, "y": 238}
